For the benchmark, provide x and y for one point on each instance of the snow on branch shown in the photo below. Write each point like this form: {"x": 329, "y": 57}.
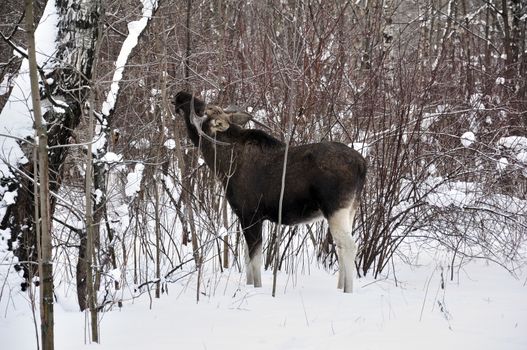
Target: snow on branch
{"x": 135, "y": 28}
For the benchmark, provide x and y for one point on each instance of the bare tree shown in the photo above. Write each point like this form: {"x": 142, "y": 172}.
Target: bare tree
{"x": 65, "y": 89}
{"x": 404, "y": 100}
{"x": 42, "y": 199}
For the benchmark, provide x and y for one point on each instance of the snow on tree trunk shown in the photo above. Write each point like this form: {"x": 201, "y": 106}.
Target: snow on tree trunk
{"x": 66, "y": 39}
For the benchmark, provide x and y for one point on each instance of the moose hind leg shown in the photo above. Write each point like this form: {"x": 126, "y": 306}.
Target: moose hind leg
{"x": 253, "y": 257}
{"x": 340, "y": 225}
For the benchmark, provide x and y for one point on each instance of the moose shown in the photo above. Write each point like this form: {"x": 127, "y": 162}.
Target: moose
{"x": 322, "y": 180}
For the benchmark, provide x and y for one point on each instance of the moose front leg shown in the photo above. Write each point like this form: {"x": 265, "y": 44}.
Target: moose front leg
{"x": 253, "y": 238}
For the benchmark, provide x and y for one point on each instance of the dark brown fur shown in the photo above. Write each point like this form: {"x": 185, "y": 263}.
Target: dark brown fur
{"x": 320, "y": 178}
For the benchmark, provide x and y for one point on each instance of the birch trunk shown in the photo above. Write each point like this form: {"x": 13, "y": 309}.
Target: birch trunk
{"x": 45, "y": 262}
{"x": 66, "y": 89}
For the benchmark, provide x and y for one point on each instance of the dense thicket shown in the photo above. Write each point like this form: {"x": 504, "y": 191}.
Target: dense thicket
{"x": 433, "y": 92}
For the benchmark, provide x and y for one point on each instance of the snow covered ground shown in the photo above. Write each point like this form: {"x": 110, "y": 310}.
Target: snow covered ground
{"x": 483, "y": 308}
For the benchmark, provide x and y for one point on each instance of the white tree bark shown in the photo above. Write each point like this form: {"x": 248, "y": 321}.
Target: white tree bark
{"x": 67, "y": 34}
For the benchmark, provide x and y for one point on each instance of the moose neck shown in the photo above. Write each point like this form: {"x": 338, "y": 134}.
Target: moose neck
{"x": 220, "y": 159}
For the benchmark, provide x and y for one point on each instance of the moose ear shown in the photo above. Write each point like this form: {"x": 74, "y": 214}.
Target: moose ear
{"x": 240, "y": 118}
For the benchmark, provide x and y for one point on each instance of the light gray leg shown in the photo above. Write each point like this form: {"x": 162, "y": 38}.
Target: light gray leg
{"x": 253, "y": 267}
{"x": 256, "y": 266}
{"x": 341, "y": 225}
{"x": 248, "y": 267}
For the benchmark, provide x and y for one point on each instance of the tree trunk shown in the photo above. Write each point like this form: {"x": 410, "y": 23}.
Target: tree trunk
{"x": 44, "y": 251}
{"x": 67, "y": 83}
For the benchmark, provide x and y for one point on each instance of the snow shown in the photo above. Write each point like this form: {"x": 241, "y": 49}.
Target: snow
{"x": 141, "y": 144}
{"x": 16, "y": 118}
{"x": 468, "y": 138}
{"x": 170, "y": 144}
{"x": 429, "y": 119}
{"x": 5, "y": 85}
{"x": 10, "y": 197}
{"x": 260, "y": 115}
{"x": 135, "y": 28}
{"x": 483, "y": 308}
{"x": 445, "y": 194}
{"x": 111, "y": 157}
{"x": 411, "y": 307}
{"x": 99, "y": 141}
{"x": 361, "y": 147}
{"x": 522, "y": 157}
{"x": 99, "y": 195}
{"x": 502, "y": 164}
{"x": 514, "y": 143}
{"x": 115, "y": 274}
{"x": 518, "y": 146}
{"x": 476, "y": 104}
{"x": 133, "y": 184}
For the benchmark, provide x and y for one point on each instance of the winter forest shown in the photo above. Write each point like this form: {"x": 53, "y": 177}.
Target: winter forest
{"x": 116, "y": 234}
